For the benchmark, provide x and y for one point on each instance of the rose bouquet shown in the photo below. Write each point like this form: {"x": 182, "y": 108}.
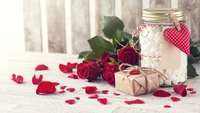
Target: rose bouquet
{"x": 108, "y": 53}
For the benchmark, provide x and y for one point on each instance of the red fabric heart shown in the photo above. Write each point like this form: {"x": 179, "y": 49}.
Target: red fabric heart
{"x": 65, "y": 69}
{"x": 41, "y": 67}
{"x": 175, "y": 99}
{"x": 71, "y": 89}
{"x": 70, "y": 101}
{"x": 18, "y": 79}
{"x": 161, "y": 93}
{"x": 45, "y": 87}
{"x": 133, "y": 72}
{"x": 180, "y": 39}
{"x": 102, "y": 100}
{"x": 181, "y": 89}
{"x": 35, "y": 80}
{"x": 93, "y": 96}
{"x": 90, "y": 89}
{"x": 73, "y": 76}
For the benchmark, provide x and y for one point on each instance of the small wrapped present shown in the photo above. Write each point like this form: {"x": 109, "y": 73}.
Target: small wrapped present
{"x": 136, "y": 80}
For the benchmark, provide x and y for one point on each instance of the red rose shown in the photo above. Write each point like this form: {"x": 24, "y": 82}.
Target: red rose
{"x": 127, "y": 55}
{"x": 109, "y": 73}
{"x": 105, "y": 58}
{"x": 88, "y": 70}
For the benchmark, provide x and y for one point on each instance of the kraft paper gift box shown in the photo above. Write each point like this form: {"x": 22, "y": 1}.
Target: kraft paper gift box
{"x": 144, "y": 82}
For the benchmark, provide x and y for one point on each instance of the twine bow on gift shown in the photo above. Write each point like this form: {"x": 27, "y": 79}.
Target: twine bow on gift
{"x": 136, "y": 70}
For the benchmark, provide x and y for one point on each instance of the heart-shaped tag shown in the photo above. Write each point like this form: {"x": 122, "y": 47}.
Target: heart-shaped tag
{"x": 180, "y": 39}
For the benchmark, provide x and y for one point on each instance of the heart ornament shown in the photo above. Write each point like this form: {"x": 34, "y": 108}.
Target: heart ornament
{"x": 180, "y": 39}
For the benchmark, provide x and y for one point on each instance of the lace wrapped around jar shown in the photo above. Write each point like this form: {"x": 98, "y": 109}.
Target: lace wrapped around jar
{"x": 156, "y": 52}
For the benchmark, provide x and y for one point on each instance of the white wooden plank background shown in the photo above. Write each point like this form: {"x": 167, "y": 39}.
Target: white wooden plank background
{"x": 63, "y": 26}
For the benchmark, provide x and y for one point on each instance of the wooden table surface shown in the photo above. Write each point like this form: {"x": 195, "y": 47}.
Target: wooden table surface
{"x": 21, "y": 98}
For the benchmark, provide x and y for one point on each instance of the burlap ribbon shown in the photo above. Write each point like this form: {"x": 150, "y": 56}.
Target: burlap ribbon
{"x": 140, "y": 70}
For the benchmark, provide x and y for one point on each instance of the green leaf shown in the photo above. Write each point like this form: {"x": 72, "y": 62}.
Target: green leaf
{"x": 111, "y": 24}
{"x": 100, "y": 45}
{"x": 91, "y": 56}
{"x": 191, "y": 59}
{"x": 83, "y": 54}
{"x": 191, "y": 71}
{"x": 126, "y": 35}
{"x": 194, "y": 51}
{"x": 117, "y": 36}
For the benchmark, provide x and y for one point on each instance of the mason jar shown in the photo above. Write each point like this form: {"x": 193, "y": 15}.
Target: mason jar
{"x": 156, "y": 52}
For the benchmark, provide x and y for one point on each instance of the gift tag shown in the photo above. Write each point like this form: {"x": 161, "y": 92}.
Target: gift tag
{"x": 171, "y": 55}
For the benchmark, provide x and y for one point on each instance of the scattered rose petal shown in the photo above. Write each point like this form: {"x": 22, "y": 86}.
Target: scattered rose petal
{"x": 139, "y": 101}
{"x": 35, "y": 80}
{"x": 104, "y": 92}
{"x": 18, "y": 79}
{"x": 71, "y": 89}
{"x": 190, "y": 89}
{"x": 116, "y": 94}
{"x": 193, "y": 92}
{"x": 63, "y": 87}
{"x": 70, "y": 101}
{"x": 45, "y": 87}
{"x": 72, "y": 65}
{"x": 93, "y": 96}
{"x": 90, "y": 89}
{"x": 62, "y": 91}
{"x": 175, "y": 99}
{"x": 161, "y": 93}
{"x": 133, "y": 72}
{"x": 180, "y": 89}
{"x": 55, "y": 83}
{"x": 167, "y": 106}
{"x": 129, "y": 102}
{"x": 73, "y": 76}
{"x": 77, "y": 98}
{"x": 65, "y": 69}
{"x": 102, "y": 100}
{"x": 41, "y": 67}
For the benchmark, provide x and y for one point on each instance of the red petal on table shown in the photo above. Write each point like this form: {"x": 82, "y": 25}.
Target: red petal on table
{"x": 55, "y": 83}
{"x": 167, "y": 106}
{"x": 13, "y": 76}
{"x": 77, "y": 98}
{"x": 93, "y": 96}
{"x": 73, "y": 76}
{"x": 129, "y": 102}
{"x": 133, "y": 72}
{"x": 175, "y": 99}
{"x": 90, "y": 89}
{"x": 72, "y": 65}
{"x": 161, "y": 93}
{"x": 116, "y": 94}
{"x": 70, "y": 101}
{"x": 46, "y": 87}
{"x": 180, "y": 89}
{"x": 62, "y": 91}
{"x": 190, "y": 89}
{"x": 18, "y": 79}
{"x": 102, "y": 100}
{"x": 41, "y": 67}
{"x": 139, "y": 101}
{"x": 65, "y": 69}
{"x": 63, "y": 87}
{"x": 37, "y": 80}
{"x": 104, "y": 92}
{"x": 71, "y": 89}
{"x": 193, "y": 92}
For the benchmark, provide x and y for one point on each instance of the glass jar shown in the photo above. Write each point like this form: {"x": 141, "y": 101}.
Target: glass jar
{"x": 153, "y": 46}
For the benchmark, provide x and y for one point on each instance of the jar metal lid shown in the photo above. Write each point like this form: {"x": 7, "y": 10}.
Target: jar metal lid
{"x": 161, "y": 14}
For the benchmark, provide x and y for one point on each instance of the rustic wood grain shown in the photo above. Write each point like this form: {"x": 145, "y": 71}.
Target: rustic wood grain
{"x": 131, "y": 14}
{"x": 191, "y": 10}
{"x": 80, "y": 25}
{"x": 32, "y": 25}
{"x": 159, "y": 3}
{"x": 56, "y": 26}
{"x": 103, "y": 8}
